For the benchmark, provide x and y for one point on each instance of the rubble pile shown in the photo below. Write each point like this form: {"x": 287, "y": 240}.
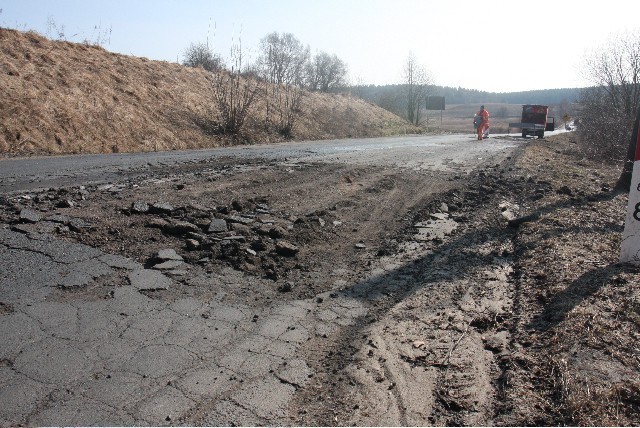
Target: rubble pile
{"x": 247, "y": 235}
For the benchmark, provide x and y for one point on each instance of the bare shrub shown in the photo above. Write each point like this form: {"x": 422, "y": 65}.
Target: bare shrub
{"x": 288, "y": 99}
{"x": 282, "y": 108}
{"x": 55, "y": 31}
{"x": 100, "y": 37}
{"x": 610, "y": 106}
{"x": 605, "y": 128}
{"x": 233, "y": 95}
{"x": 199, "y": 55}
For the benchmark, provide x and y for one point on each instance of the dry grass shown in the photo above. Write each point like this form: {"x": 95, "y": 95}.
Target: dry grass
{"x": 582, "y": 320}
{"x": 60, "y": 97}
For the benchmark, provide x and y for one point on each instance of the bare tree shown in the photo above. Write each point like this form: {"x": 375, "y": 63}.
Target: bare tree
{"x": 199, "y": 55}
{"x": 611, "y": 105}
{"x": 415, "y": 88}
{"x": 326, "y": 72}
{"x": 282, "y": 59}
{"x": 616, "y": 69}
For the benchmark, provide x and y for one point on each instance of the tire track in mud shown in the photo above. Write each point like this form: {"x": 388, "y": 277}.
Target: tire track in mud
{"x": 427, "y": 351}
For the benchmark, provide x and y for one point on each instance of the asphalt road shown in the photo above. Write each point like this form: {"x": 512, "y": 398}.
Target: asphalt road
{"x": 129, "y": 359}
{"x": 421, "y": 152}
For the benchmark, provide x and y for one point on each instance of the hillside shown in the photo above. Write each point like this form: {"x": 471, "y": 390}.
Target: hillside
{"x": 60, "y": 98}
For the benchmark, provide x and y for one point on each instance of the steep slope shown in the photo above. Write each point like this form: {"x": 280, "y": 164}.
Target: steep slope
{"x": 60, "y": 97}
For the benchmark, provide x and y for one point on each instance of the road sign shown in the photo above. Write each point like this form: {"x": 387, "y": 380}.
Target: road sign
{"x": 630, "y": 251}
{"x": 435, "y": 103}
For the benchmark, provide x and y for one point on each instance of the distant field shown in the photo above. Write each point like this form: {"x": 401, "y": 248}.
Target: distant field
{"x": 459, "y": 117}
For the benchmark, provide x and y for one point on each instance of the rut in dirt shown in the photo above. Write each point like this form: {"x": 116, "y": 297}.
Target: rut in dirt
{"x": 449, "y": 273}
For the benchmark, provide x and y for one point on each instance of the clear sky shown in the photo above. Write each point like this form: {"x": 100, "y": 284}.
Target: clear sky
{"x": 492, "y": 45}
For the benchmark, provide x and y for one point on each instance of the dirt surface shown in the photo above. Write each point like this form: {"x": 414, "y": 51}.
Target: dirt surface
{"x": 522, "y": 317}
{"x": 492, "y": 299}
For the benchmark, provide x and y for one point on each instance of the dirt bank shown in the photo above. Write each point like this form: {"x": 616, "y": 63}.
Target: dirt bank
{"x": 60, "y": 97}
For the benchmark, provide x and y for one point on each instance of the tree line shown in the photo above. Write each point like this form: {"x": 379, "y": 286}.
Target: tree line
{"x": 282, "y": 60}
{"x": 385, "y": 95}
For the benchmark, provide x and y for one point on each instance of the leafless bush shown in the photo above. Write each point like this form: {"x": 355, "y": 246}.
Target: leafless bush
{"x": 288, "y": 98}
{"x": 199, "y": 55}
{"x": 605, "y": 129}
{"x": 100, "y": 37}
{"x": 609, "y": 108}
{"x": 282, "y": 104}
{"x": 233, "y": 95}
{"x": 54, "y": 31}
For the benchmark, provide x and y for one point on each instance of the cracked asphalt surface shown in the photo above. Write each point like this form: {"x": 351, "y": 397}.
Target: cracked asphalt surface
{"x": 228, "y": 363}
{"x": 95, "y": 336}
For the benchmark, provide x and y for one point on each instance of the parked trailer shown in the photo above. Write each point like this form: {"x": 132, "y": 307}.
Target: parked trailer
{"x": 535, "y": 120}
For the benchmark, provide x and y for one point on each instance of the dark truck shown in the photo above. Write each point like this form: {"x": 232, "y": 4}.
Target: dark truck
{"x": 535, "y": 120}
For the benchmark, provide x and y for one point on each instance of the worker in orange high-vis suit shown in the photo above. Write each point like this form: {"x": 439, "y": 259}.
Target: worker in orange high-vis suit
{"x": 483, "y": 115}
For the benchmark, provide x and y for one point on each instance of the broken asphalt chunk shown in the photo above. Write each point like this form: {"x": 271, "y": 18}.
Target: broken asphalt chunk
{"x": 139, "y": 207}
{"x": 148, "y": 280}
{"x": 180, "y": 228}
{"x": 240, "y": 219}
{"x": 169, "y": 254}
{"x": 28, "y": 215}
{"x": 78, "y": 225}
{"x": 217, "y": 225}
{"x": 161, "y": 208}
{"x": 287, "y": 249}
{"x": 168, "y": 265}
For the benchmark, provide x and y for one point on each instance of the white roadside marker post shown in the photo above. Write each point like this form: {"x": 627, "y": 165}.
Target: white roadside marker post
{"x": 630, "y": 252}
